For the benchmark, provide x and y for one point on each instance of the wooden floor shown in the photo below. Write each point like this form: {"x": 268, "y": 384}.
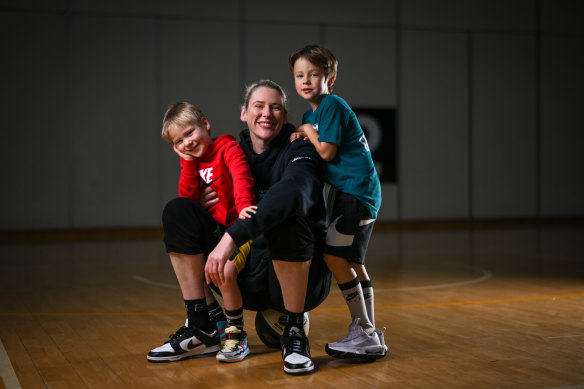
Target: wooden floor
{"x": 464, "y": 308}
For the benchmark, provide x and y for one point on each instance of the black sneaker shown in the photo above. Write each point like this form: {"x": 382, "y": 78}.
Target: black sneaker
{"x": 296, "y": 352}
{"x": 186, "y": 343}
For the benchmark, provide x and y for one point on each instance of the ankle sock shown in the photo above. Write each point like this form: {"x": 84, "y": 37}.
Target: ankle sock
{"x": 235, "y": 318}
{"x": 198, "y": 315}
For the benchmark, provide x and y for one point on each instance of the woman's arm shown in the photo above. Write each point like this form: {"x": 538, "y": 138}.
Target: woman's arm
{"x": 297, "y": 191}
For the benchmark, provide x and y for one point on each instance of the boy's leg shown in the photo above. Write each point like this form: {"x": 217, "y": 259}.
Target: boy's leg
{"x": 198, "y": 336}
{"x": 236, "y": 347}
{"x": 367, "y": 288}
{"x": 351, "y": 289}
{"x": 188, "y": 229}
{"x": 346, "y": 243}
{"x": 216, "y": 313}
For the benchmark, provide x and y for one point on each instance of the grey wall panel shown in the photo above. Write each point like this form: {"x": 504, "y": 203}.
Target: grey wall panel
{"x": 115, "y": 139}
{"x": 433, "y": 136}
{"x": 33, "y": 138}
{"x": 224, "y": 9}
{"x": 389, "y": 205}
{"x": 203, "y": 68}
{"x": 564, "y": 16}
{"x": 499, "y": 15}
{"x": 35, "y": 5}
{"x": 562, "y": 135}
{"x": 504, "y": 126}
{"x": 367, "y": 65}
{"x": 268, "y": 47}
{"x": 367, "y": 12}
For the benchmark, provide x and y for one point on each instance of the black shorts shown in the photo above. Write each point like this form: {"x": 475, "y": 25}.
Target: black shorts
{"x": 349, "y": 227}
{"x": 190, "y": 229}
{"x": 291, "y": 241}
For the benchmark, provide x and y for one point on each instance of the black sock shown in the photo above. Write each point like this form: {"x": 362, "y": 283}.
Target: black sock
{"x": 198, "y": 315}
{"x": 235, "y": 318}
{"x": 215, "y": 312}
{"x": 294, "y": 319}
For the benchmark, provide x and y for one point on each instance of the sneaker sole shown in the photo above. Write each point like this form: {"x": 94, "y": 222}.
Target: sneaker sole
{"x": 213, "y": 350}
{"x": 303, "y": 371}
{"x": 233, "y": 359}
{"x": 350, "y": 355}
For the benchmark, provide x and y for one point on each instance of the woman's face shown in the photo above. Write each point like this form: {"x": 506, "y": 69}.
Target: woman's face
{"x": 265, "y": 114}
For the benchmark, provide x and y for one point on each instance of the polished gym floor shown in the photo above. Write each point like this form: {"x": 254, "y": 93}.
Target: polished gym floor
{"x": 464, "y": 306}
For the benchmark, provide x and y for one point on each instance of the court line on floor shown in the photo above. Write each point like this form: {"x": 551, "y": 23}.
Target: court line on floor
{"x": 7, "y": 374}
{"x": 427, "y": 305}
{"x": 485, "y": 275}
{"x": 565, "y": 336}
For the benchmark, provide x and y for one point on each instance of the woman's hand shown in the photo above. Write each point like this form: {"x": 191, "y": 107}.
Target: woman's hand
{"x": 208, "y": 197}
{"x": 247, "y": 212}
{"x": 215, "y": 265}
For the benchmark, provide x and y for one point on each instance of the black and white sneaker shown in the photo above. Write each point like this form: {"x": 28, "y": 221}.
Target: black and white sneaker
{"x": 296, "y": 352}
{"x": 186, "y": 343}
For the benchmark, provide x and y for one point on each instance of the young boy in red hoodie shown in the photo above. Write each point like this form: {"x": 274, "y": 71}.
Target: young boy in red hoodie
{"x": 219, "y": 163}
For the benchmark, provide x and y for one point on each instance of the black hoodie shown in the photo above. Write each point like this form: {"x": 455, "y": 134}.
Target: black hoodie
{"x": 288, "y": 183}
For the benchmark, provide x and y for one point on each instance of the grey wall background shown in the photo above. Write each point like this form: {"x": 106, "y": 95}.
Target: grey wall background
{"x": 488, "y": 97}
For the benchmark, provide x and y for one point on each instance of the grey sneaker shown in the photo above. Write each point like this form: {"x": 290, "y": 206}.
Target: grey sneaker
{"x": 357, "y": 344}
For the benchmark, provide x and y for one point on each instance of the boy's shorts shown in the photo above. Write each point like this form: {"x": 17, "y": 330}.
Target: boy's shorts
{"x": 349, "y": 226}
{"x": 190, "y": 229}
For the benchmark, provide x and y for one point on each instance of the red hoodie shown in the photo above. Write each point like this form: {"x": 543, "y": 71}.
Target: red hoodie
{"x": 225, "y": 168}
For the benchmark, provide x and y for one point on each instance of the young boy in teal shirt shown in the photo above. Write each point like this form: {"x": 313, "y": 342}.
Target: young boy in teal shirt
{"x": 353, "y": 194}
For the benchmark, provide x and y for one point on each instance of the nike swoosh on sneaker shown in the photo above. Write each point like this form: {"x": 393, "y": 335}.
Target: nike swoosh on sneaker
{"x": 191, "y": 345}
{"x": 358, "y": 342}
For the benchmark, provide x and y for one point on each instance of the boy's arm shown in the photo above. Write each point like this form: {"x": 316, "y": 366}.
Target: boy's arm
{"x": 326, "y": 150}
{"x": 188, "y": 184}
{"x": 243, "y": 184}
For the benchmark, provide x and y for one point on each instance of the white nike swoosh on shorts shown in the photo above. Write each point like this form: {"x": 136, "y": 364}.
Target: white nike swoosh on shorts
{"x": 338, "y": 239}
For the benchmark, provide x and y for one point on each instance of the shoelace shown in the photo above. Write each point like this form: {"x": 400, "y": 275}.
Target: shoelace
{"x": 230, "y": 344}
{"x": 178, "y": 334}
{"x": 296, "y": 344}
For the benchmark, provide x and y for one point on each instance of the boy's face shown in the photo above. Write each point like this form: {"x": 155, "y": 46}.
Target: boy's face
{"x": 191, "y": 139}
{"x": 310, "y": 82}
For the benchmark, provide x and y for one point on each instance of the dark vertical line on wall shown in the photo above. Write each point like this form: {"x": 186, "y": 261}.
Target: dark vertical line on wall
{"x": 242, "y": 47}
{"x": 538, "y": 210}
{"x": 470, "y": 75}
{"x": 159, "y": 109}
{"x": 322, "y": 34}
{"x": 69, "y": 116}
{"x": 398, "y": 113}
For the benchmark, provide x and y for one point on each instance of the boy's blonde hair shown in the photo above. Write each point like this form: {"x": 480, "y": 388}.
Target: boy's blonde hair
{"x": 319, "y": 55}
{"x": 180, "y": 113}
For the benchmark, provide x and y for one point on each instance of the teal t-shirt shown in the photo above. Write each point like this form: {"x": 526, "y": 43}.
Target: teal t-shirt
{"x": 352, "y": 170}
